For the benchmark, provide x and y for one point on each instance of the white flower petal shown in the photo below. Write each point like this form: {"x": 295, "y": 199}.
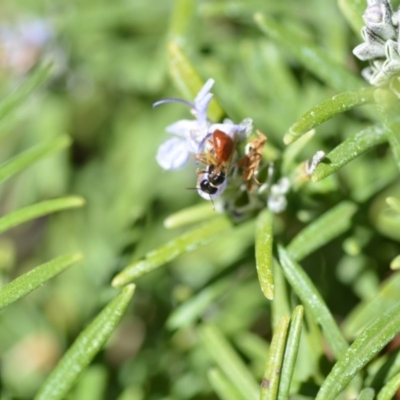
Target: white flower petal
{"x": 183, "y": 127}
{"x": 204, "y": 91}
{"x": 173, "y": 154}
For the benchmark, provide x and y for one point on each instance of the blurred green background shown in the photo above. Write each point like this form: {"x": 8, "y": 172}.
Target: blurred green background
{"x": 111, "y": 64}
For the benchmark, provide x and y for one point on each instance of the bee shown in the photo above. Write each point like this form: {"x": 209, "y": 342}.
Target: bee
{"x": 209, "y": 185}
{"x": 217, "y": 160}
{"x": 251, "y": 161}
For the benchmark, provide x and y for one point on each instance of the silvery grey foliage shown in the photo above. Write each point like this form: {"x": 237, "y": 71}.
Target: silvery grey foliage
{"x": 381, "y": 42}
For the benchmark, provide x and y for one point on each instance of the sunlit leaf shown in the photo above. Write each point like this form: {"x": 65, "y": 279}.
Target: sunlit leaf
{"x": 353, "y": 11}
{"x": 366, "y": 394}
{"x": 351, "y": 148}
{"x": 189, "y": 215}
{"x": 313, "y": 302}
{"x": 187, "y": 242}
{"x": 31, "y": 83}
{"x": 390, "y": 114}
{"x": 264, "y": 258}
{"x": 187, "y": 80}
{"x": 310, "y": 55}
{"x": 368, "y": 311}
{"x": 28, "y": 157}
{"x": 322, "y": 230}
{"x": 222, "y": 386}
{"x": 291, "y": 350}
{"x": 31, "y": 280}
{"x": 28, "y": 213}
{"x": 367, "y": 344}
{"x": 390, "y": 389}
{"x": 89, "y": 342}
{"x": 229, "y": 362}
{"x": 273, "y": 368}
{"x": 326, "y": 110}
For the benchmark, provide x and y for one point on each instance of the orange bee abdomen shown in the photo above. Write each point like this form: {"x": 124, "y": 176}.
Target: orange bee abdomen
{"x": 224, "y": 146}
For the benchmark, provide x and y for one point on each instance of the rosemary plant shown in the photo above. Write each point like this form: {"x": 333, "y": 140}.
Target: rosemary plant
{"x": 238, "y": 163}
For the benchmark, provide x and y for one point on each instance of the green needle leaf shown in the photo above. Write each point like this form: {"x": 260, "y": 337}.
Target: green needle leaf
{"x": 312, "y": 300}
{"x": 28, "y": 282}
{"x": 310, "y": 55}
{"x": 85, "y": 347}
{"x": 394, "y": 203}
{"x": 372, "y": 340}
{"x": 326, "y": 110}
{"x": 192, "y": 309}
{"x": 389, "y": 108}
{"x": 322, "y": 230}
{"x": 273, "y": 369}
{"x": 291, "y": 350}
{"x": 366, "y": 394}
{"x": 351, "y": 148}
{"x": 28, "y": 157}
{"x": 187, "y": 80}
{"x": 189, "y": 215}
{"x": 38, "y": 77}
{"x": 370, "y": 310}
{"x": 39, "y": 210}
{"x": 187, "y": 242}
{"x": 390, "y": 389}
{"x": 222, "y": 386}
{"x": 264, "y": 258}
{"x": 229, "y": 362}
{"x": 353, "y": 10}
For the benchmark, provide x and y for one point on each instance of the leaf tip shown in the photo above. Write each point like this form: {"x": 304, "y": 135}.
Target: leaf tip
{"x": 288, "y": 138}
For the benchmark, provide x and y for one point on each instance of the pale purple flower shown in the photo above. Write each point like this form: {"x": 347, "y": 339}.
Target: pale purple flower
{"x": 175, "y": 152}
{"x": 21, "y": 44}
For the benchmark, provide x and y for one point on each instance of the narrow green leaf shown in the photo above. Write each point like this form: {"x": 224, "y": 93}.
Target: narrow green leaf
{"x": 394, "y": 203}
{"x": 189, "y": 241}
{"x": 310, "y": 55}
{"x": 291, "y": 350}
{"x": 222, "y": 386}
{"x": 28, "y": 157}
{"x": 353, "y": 10}
{"x": 32, "y": 82}
{"x": 367, "y": 311}
{"x": 31, "y": 280}
{"x": 395, "y": 263}
{"x": 281, "y": 305}
{"x": 348, "y": 150}
{"x": 85, "y": 347}
{"x": 291, "y": 152}
{"x": 326, "y": 110}
{"x": 189, "y": 215}
{"x": 273, "y": 368}
{"x": 312, "y": 300}
{"x": 388, "y": 104}
{"x": 181, "y": 20}
{"x": 390, "y": 389}
{"x": 254, "y": 348}
{"x": 187, "y": 80}
{"x": 322, "y": 230}
{"x": 229, "y": 362}
{"x": 92, "y": 384}
{"x": 264, "y": 258}
{"x": 39, "y": 210}
{"x": 361, "y": 352}
{"x": 366, "y": 394}
{"x": 192, "y": 309}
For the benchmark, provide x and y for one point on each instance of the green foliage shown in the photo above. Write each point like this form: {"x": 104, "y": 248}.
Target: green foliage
{"x": 302, "y": 304}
